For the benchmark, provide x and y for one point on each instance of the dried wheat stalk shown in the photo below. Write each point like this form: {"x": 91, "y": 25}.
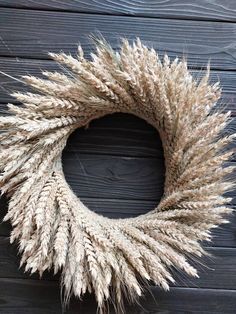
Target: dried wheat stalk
{"x": 56, "y": 231}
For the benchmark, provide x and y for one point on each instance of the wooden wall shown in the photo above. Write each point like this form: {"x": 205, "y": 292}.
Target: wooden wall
{"x": 116, "y": 166}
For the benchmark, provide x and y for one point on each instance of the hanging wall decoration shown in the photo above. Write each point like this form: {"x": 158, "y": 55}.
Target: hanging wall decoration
{"x": 114, "y": 258}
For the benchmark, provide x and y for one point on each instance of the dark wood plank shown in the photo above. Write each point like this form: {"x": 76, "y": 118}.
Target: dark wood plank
{"x": 106, "y": 157}
{"x": 32, "y": 35}
{"x": 200, "y": 9}
{"x": 225, "y": 235}
{"x": 10, "y": 263}
{"x": 123, "y": 177}
{"x": 214, "y": 271}
{"x": 211, "y": 269}
{"x": 31, "y": 296}
{"x": 117, "y": 134}
{"x": 138, "y": 139}
{"x": 114, "y": 177}
{"x": 186, "y": 301}
{"x": 17, "y": 67}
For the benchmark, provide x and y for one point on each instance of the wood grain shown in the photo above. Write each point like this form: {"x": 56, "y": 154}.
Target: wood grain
{"x": 32, "y": 35}
{"x": 122, "y": 135}
{"x": 116, "y": 166}
{"x": 31, "y": 296}
{"x": 211, "y": 269}
{"x": 124, "y": 177}
{"x": 200, "y": 9}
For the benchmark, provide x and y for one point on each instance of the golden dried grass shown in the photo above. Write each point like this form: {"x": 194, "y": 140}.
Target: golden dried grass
{"x": 56, "y": 231}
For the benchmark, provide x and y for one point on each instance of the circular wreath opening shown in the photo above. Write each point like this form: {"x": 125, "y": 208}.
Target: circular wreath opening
{"x": 55, "y": 230}
{"x": 116, "y": 166}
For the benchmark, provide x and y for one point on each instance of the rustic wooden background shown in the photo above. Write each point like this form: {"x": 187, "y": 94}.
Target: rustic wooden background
{"x": 116, "y": 166}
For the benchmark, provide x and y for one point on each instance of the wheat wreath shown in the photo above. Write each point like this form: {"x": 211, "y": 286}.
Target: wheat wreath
{"x": 55, "y": 230}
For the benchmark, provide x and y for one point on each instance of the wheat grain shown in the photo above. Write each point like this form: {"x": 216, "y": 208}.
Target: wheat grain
{"x": 113, "y": 258}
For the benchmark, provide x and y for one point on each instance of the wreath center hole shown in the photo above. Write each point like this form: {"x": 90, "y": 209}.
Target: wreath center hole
{"x": 116, "y": 166}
